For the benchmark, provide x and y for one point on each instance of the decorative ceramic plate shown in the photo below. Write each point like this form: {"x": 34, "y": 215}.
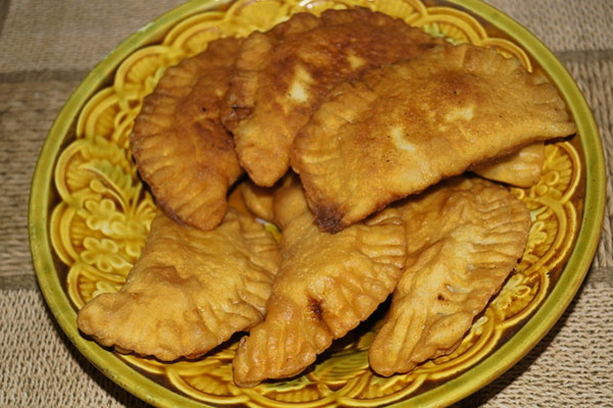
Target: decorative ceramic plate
{"x": 89, "y": 215}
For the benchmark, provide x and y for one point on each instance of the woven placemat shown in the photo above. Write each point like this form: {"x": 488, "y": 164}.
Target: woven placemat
{"x": 45, "y": 52}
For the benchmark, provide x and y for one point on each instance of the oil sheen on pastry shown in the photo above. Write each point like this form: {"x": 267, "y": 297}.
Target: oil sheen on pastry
{"x": 282, "y": 74}
{"x": 180, "y": 147}
{"x": 406, "y": 126}
{"x": 327, "y": 284}
{"x": 189, "y": 291}
{"x": 464, "y": 238}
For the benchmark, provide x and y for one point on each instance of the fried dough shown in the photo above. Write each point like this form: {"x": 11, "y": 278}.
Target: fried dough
{"x": 327, "y": 284}
{"x": 282, "y": 74}
{"x": 179, "y": 144}
{"x": 258, "y": 200}
{"x": 406, "y": 126}
{"x": 522, "y": 168}
{"x": 189, "y": 291}
{"x": 464, "y": 238}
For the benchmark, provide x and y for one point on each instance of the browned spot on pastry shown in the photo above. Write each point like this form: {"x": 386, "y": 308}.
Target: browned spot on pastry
{"x": 315, "y": 308}
{"x": 328, "y": 219}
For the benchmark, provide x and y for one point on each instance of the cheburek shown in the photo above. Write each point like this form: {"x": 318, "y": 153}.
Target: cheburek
{"x": 464, "y": 238}
{"x": 327, "y": 284}
{"x": 282, "y": 74}
{"x": 522, "y": 168}
{"x": 406, "y": 126}
{"x": 180, "y": 147}
{"x": 189, "y": 291}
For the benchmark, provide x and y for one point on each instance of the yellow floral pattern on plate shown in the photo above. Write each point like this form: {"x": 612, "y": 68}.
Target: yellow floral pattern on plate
{"x": 99, "y": 227}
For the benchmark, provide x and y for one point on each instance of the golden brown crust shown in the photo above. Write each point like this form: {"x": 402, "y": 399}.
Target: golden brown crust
{"x": 406, "y": 126}
{"x": 464, "y": 237}
{"x": 179, "y": 144}
{"x": 326, "y": 285}
{"x": 189, "y": 291}
{"x": 281, "y": 75}
{"x": 288, "y": 201}
{"x": 522, "y": 168}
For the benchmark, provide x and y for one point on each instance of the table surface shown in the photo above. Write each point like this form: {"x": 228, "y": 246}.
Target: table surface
{"x": 46, "y": 51}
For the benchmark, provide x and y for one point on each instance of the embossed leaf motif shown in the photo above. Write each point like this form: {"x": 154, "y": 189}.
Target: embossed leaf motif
{"x": 514, "y": 288}
{"x": 114, "y": 181}
{"x": 341, "y": 367}
{"x": 221, "y": 371}
{"x": 434, "y": 29}
{"x": 295, "y": 384}
{"x": 134, "y": 231}
{"x": 106, "y": 287}
{"x": 557, "y": 173}
{"x": 98, "y": 148}
{"x": 128, "y": 228}
{"x": 383, "y": 383}
{"x": 102, "y": 216}
{"x": 541, "y": 238}
{"x": 538, "y": 236}
{"x": 479, "y": 325}
{"x": 104, "y": 255}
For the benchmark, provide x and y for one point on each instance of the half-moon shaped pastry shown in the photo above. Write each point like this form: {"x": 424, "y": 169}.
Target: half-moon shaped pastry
{"x": 180, "y": 147}
{"x": 327, "y": 284}
{"x": 464, "y": 238}
{"x": 189, "y": 291}
{"x": 406, "y": 126}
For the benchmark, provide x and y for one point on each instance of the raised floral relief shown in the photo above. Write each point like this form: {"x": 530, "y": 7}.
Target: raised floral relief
{"x": 99, "y": 227}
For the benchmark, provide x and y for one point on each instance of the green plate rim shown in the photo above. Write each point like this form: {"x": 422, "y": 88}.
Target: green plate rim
{"x": 447, "y": 393}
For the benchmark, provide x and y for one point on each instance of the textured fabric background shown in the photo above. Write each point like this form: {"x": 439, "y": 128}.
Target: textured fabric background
{"x": 47, "y": 48}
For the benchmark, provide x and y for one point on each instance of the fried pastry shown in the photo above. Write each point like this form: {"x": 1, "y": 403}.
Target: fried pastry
{"x": 406, "y": 126}
{"x": 327, "y": 284}
{"x": 180, "y": 147}
{"x": 282, "y": 74}
{"x": 464, "y": 237}
{"x": 258, "y": 200}
{"x": 522, "y": 168}
{"x": 189, "y": 291}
